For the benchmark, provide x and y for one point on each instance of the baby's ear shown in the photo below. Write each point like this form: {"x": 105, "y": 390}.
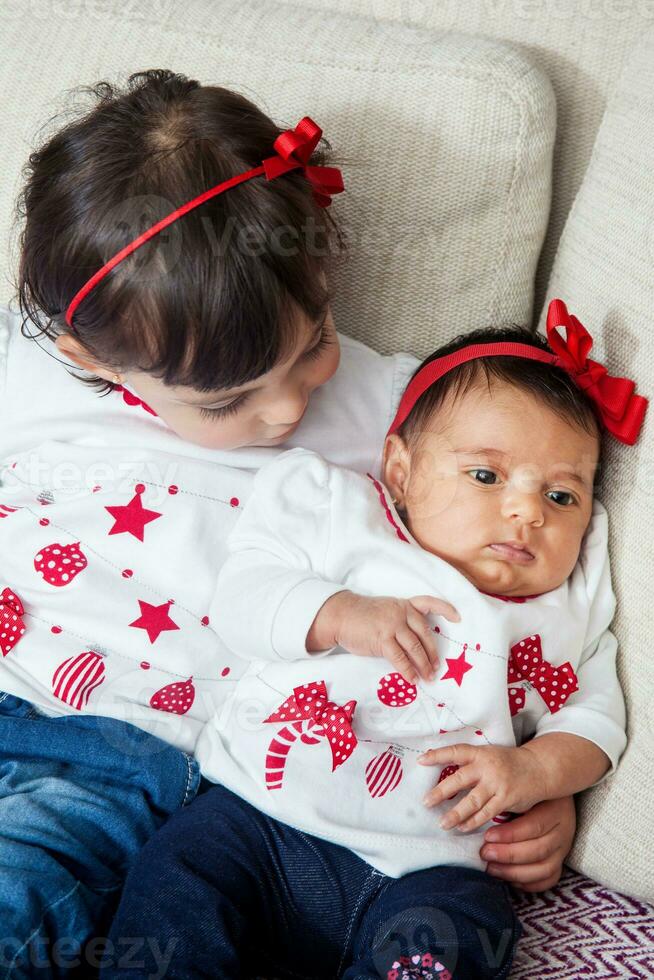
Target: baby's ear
{"x": 396, "y": 467}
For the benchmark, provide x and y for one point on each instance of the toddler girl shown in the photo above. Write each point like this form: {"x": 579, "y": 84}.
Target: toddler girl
{"x": 487, "y": 500}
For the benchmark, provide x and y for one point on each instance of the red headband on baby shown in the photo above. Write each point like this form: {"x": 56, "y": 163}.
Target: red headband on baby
{"x": 621, "y": 411}
{"x": 293, "y": 150}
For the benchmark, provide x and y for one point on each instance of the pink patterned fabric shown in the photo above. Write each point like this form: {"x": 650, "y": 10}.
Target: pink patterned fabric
{"x": 581, "y": 929}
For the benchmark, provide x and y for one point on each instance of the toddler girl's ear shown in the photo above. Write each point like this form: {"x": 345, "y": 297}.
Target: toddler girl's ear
{"x": 75, "y": 351}
{"x": 396, "y": 467}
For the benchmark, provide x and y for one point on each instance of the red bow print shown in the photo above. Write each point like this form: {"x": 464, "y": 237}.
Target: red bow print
{"x": 621, "y": 411}
{"x": 333, "y": 721}
{"x": 294, "y": 148}
{"x": 554, "y": 684}
{"x": 12, "y": 626}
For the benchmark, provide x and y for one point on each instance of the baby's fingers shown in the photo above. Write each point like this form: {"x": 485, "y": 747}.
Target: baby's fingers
{"x": 396, "y": 656}
{"x": 419, "y": 625}
{"x": 412, "y": 645}
{"x": 438, "y": 607}
{"x": 472, "y": 811}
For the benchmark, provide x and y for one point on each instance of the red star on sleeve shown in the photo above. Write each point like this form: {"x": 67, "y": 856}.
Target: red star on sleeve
{"x": 132, "y": 517}
{"x": 154, "y": 619}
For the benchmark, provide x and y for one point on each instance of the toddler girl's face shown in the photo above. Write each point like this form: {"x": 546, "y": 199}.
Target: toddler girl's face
{"x": 498, "y": 486}
{"x": 264, "y": 412}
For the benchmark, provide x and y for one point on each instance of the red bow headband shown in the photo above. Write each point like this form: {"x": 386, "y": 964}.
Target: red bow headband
{"x": 293, "y": 150}
{"x": 621, "y": 411}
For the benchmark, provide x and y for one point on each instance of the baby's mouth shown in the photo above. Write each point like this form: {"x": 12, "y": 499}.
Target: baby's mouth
{"x": 513, "y": 552}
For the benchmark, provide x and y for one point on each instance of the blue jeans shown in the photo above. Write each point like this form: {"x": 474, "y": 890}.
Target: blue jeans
{"x": 230, "y": 893}
{"x": 79, "y": 797}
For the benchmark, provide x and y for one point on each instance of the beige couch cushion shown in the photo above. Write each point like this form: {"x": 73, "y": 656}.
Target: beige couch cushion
{"x": 581, "y": 45}
{"x": 604, "y": 270}
{"x": 445, "y": 141}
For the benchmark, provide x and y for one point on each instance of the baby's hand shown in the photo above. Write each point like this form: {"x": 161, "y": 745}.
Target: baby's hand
{"x": 380, "y": 626}
{"x": 501, "y": 778}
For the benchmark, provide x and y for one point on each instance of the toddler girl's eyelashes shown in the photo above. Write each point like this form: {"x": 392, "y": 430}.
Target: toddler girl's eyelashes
{"x": 551, "y": 494}
{"x": 324, "y": 341}
{"x": 225, "y": 410}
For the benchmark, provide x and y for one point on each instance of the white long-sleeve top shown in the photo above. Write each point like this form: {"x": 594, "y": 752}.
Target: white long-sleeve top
{"x": 112, "y": 534}
{"x": 328, "y": 742}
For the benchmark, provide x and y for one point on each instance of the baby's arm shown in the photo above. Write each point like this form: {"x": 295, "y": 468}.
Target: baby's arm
{"x": 273, "y": 600}
{"x": 573, "y": 748}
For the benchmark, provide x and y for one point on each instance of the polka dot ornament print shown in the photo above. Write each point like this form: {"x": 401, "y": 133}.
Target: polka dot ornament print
{"x": 59, "y": 564}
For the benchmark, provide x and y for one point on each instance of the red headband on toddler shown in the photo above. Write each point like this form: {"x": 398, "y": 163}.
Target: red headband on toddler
{"x": 621, "y": 411}
{"x": 293, "y": 150}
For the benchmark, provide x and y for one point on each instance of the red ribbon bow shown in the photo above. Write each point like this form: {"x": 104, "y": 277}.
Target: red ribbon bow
{"x": 622, "y": 412}
{"x": 554, "y": 684}
{"x": 294, "y": 148}
{"x": 332, "y": 720}
{"x": 12, "y": 626}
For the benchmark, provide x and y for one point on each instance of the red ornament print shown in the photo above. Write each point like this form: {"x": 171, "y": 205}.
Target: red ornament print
{"x": 75, "y": 679}
{"x": 59, "y": 564}
{"x": 396, "y": 692}
{"x": 12, "y": 626}
{"x": 131, "y": 518}
{"x": 154, "y": 619}
{"x": 176, "y": 698}
{"x": 384, "y": 772}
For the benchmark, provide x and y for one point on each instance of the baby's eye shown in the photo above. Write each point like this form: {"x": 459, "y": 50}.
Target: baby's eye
{"x": 556, "y": 496}
{"x": 486, "y": 473}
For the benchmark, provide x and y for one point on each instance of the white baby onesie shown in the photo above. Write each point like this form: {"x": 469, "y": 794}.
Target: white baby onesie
{"x": 112, "y": 533}
{"x": 328, "y": 742}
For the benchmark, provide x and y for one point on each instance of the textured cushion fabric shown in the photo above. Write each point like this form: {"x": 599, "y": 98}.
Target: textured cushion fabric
{"x": 581, "y": 929}
{"x": 445, "y": 141}
{"x": 604, "y": 271}
{"x": 580, "y": 44}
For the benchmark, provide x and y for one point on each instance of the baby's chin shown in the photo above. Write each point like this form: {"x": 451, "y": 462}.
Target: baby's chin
{"x": 506, "y": 578}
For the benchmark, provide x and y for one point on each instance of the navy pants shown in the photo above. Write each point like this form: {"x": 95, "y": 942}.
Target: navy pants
{"x": 230, "y": 893}
{"x": 79, "y": 797}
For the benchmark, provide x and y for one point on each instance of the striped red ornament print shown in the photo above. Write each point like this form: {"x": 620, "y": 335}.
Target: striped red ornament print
{"x": 384, "y": 772}
{"x": 75, "y": 679}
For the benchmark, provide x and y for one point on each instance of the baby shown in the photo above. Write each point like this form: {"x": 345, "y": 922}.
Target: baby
{"x": 479, "y": 570}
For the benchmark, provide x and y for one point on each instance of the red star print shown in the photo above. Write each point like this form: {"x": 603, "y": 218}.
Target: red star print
{"x": 457, "y": 667}
{"x": 154, "y": 619}
{"x": 132, "y": 518}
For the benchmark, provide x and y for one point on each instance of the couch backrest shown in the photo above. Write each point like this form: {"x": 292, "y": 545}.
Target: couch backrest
{"x": 581, "y": 45}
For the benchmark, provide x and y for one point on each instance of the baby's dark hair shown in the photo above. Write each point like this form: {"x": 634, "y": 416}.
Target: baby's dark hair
{"x": 212, "y": 301}
{"x": 549, "y": 384}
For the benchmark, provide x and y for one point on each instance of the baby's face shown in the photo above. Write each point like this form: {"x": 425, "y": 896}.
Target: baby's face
{"x": 495, "y": 471}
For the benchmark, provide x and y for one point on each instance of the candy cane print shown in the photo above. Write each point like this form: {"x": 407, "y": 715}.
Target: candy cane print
{"x": 280, "y": 746}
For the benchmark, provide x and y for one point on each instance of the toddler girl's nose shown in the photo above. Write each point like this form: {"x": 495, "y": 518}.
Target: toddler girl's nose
{"x": 524, "y": 507}
{"x": 287, "y": 407}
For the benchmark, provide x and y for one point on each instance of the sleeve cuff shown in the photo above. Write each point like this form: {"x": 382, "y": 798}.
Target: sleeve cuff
{"x": 295, "y": 616}
{"x": 603, "y": 731}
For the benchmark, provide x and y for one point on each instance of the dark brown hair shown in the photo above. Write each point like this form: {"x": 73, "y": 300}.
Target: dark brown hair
{"x": 212, "y": 301}
{"x": 549, "y": 384}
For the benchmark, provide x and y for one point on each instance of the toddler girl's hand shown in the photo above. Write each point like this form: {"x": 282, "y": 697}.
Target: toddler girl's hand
{"x": 501, "y": 777}
{"x": 380, "y": 626}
